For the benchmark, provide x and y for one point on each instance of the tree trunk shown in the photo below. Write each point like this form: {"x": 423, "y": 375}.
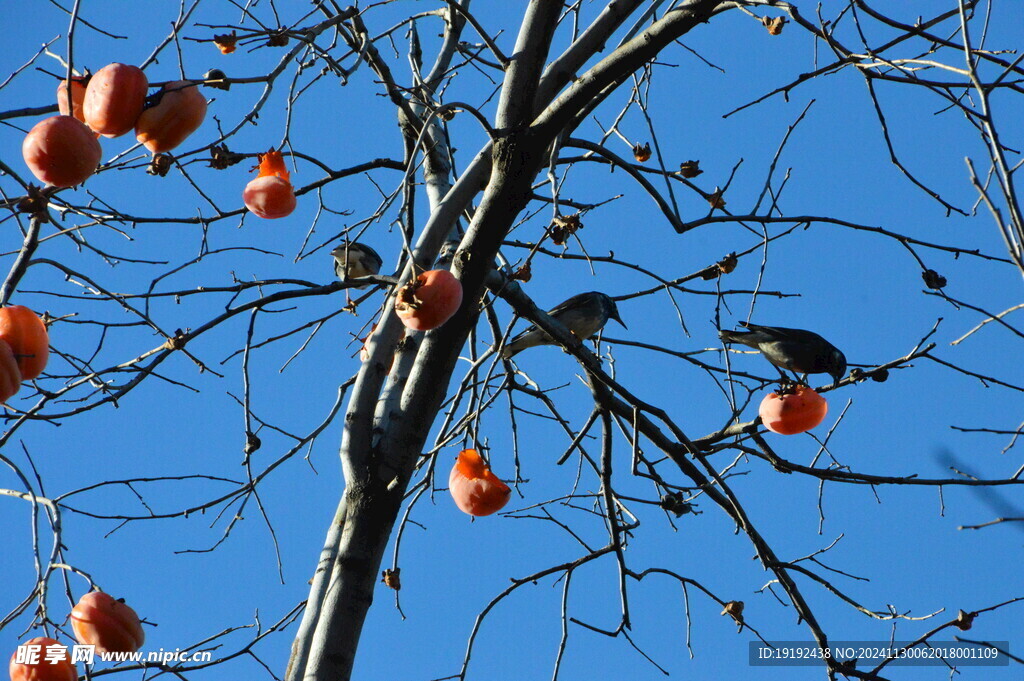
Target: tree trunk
{"x": 370, "y": 513}
{"x": 379, "y": 454}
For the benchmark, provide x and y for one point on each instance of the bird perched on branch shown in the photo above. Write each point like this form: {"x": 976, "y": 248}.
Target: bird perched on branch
{"x": 803, "y": 352}
{"x": 353, "y": 260}
{"x": 584, "y": 314}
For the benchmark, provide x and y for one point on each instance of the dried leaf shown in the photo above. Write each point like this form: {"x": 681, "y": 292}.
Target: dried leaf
{"x": 221, "y": 157}
{"x": 226, "y": 43}
{"x": 716, "y": 200}
{"x": 35, "y": 203}
{"x": 933, "y": 279}
{"x": 252, "y": 443}
{"x": 278, "y": 38}
{"x": 728, "y": 263}
{"x": 392, "y": 578}
{"x": 642, "y": 153}
{"x": 563, "y": 227}
{"x": 964, "y": 620}
{"x": 673, "y": 503}
{"x": 690, "y": 169}
{"x": 524, "y": 272}
{"x": 735, "y": 610}
{"x": 723, "y": 266}
{"x": 774, "y": 25}
{"x": 160, "y": 165}
{"x": 177, "y": 341}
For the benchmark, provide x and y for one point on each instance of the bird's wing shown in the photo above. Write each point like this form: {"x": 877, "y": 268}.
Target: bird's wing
{"x": 561, "y": 307}
{"x": 566, "y": 304}
{"x": 373, "y": 254}
{"x": 555, "y": 312}
{"x": 522, "y": 334}
{"x": 783, "y": 334}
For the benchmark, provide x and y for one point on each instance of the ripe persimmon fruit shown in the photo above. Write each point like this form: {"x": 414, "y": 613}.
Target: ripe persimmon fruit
{"x": 61, "y": 151}
{"x": 270, "y": 195}
{"x": 109, "y": 624}
{"x": 429, "y": 300}
{"x": 792, "y": 412}
{"x": 178, "y": 114}
{"x": 114, "y": 99}
{"x": 475, "y": 489}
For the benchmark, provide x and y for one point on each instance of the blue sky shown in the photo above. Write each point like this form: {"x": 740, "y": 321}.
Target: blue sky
{"x": 898, "y": 545}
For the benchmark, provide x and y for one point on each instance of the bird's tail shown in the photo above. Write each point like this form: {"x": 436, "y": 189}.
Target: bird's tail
{"x": 527, "y": 339}
{"x": 513, "y": 348}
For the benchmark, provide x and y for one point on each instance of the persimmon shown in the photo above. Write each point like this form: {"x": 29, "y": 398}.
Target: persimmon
{"x": 110, "y": 625}
{"x": 78, "y": 84}
{"x": 475, "y": 489}
{"x": 61, "y": 151}
{"x": 47, "y": 660}
{"x": 26, "y": 333}
{"x": 793, "y": 412}
{"x": 270, "y": 195}
{"x": 10, "y": 374}
{"x": 429, "y": 301}
{"x": 179, "y": 113}
{"x": 114, "y": 99}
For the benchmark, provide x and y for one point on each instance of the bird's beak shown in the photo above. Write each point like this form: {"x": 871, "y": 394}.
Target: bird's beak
{"x": 619, "y": 320}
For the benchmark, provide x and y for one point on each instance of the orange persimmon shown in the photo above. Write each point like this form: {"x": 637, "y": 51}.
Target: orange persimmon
{"x": 429, "y": 301}
{"x": 110, "y": 625}
{"x": 114, "y": 99}
{"x": 793, "y": 412}
{"x": 47, "y": 660}
{"x": 61, "y": 151}
{"x": 475, "y": 489}
{"x": 179, "y": 113}
{"x": 78, "y": 84}
{"x": 270, "y": 195}
{"x": 25, "y": 332}
{"x": 10, "y": 374}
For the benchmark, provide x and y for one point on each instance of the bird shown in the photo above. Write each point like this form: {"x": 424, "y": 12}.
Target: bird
{"x": 800, "y": 351}
{"x": 353, "y": 260}
{"x": 584, "y": 315}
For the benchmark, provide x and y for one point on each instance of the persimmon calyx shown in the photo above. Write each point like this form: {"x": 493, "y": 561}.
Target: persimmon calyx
{"x": 407, "y": 299}
{"x": 789, "y": 388}
{"x": 272, "y": 163}
{"x": 471, "y": 464}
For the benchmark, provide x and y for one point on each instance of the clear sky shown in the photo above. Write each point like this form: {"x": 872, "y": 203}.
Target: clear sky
{"x": 895, "y": 547}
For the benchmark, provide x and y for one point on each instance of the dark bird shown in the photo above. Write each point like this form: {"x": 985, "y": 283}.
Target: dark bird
{"x": 353, "y": 260}
{"x": 584, "y": 314}
{"x": 803, "y": 352}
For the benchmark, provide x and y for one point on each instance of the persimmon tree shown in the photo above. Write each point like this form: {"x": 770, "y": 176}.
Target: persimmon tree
{"x": 669, "y": 154}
